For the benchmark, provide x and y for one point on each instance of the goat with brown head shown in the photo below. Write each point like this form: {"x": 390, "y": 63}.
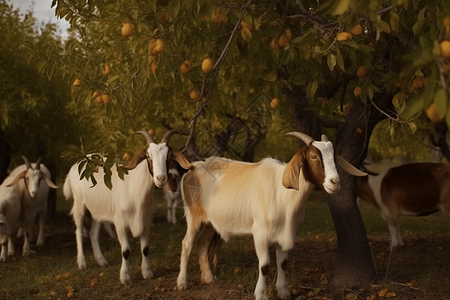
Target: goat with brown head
{"x": 158, "y": 157}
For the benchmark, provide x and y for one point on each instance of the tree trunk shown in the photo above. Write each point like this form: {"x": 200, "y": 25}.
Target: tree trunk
{"x": 355, "y": 262}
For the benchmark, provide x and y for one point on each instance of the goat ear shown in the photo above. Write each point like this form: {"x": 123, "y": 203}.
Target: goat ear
{"x": 292, "y": 172}
{"x": 349, "y": 168}
{"x": 17, "y": 179}
{"x": 50, "y": 183}
{"x": 135, "y": 160}
{"x": 183, "y": 161}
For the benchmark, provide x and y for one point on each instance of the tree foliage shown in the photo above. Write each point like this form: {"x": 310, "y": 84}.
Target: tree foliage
{"x": 398, "y": 43}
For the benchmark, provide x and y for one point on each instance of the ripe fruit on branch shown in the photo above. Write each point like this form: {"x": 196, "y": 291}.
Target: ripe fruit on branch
{"x": 127, "y": 29}
{"x": 357, "y": 30}
{"x": 342, "y": 36}
{"x": 246, "y": 25}
{"x": 207, "y": 65}
{"x": 274, "y": 103}
{"x": 107, "y": 71}
{"x": 184, "y": 68}
{"x": 357, "y": 91}
{"x": 106, "y": 99}
{"x": 432, "y": 113}
{"x": 156, "y": 47}
{"x": 77, "y": 82}
{"x": 283, "y": 41}
{"x": 362, "y": 72}
{"x": 444, "y": 48}
{"x": 194, "y": 95}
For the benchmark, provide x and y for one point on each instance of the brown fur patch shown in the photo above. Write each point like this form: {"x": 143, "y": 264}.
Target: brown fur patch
{"x": 136, "y": 160}
{"x": 291, "y": 172}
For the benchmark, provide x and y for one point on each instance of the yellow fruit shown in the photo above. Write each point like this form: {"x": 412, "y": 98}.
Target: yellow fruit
{"x": 288, "y": 34}
{"x": 207, "y": 65}
{"x": 342, "y": 36}
{"x": 194, "y": 95}
{"x": 446, "y": 21}
{"x": 95, "y": 94}
{"x": 274, "y": 103}
{"x": 99, "y": 99}
{"x": 362, "y": 72}
{"x": 106, "y": 99}
{"x": 274, "y": 44}
{"x": 283, "y": 41}
{"x": 77, "y": 82}
{"x": 127, "y": 29}
{"x": 418, "y": 82}
{"x": 357, "y": 30}
{"x": 156, "y": 47}
{"x": 246, "y": 25}
{"x": 184, "y": 68}
{"x": 126, "y": 156}
{"x": 357, "y": 91}
{"x": 107, "y": 71}
{"x": 151, "y": 132}
{"x": 432, "y": 113}
{"x": 444, "y": 48}
{"x": 153, "y": 68}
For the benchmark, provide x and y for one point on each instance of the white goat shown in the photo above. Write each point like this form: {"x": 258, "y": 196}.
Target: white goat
{"x": 172, "y": 194}
{"x": 21, "y": 201}
{"x": 264, "y": 199}
{"x": 417, "y": 189}
{"x": 129, "y": 205}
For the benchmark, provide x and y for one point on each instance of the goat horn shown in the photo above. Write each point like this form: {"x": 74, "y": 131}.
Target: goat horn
{"x": 38, "y": 163}
{"x": 168, "y": 135}
{"x": 147, "y": 136}
{"x": 324, "y": 138}
{"x": 300, "y": 135}
{"x": 27, "y": 162}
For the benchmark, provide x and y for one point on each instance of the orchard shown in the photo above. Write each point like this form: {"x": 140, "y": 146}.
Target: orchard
{"x": 372, "y": 75}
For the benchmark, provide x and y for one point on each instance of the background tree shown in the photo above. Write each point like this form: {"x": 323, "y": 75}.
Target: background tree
{"x": 33, "y": 118}
{"x": 339, "y": 67}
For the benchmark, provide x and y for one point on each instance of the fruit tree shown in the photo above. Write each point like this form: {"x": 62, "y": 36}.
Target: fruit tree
{"x": 309, "y": 55}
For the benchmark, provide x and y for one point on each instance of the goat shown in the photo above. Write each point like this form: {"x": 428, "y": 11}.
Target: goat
{"x": 128, "y": 205}
{"x": 172, "y": 195}
{"x": 21, "y": 201}
{"x": 417, "y": 189}
{"x": 264, "y": 199}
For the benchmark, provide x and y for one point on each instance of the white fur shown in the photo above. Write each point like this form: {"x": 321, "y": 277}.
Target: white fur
{"x": 250, "y": 199}
{"x": 173, "y": 199}
{"x": 129, "y": 206}
{"x": 158, "y": 154}
{"x": 19, "y": 207}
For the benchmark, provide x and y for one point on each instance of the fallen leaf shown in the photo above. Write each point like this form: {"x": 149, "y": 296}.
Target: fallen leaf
{"x": 383, "y": 293}
{"x": 373, "y": 297}
{"x": 316, "y": 291}
{"x": 351, "y": 296}
{"x": 295, "y": 292}
{"x": 94, "y": 282}
{"x": 101, "y": 274}
{"x": 323, "y": 279}
{"x": 390, "y": 295}
{"x": 237, "y": 270}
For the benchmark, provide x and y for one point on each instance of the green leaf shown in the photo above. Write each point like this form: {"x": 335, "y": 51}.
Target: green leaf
{"x": 412, "y": 127}
{"x": 331, "y": 61}
{"x": 311, "y": 88}
{"x": 340, "y": 62}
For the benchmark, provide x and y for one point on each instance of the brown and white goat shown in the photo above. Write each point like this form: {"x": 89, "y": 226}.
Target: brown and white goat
{"x": 417, "y": 189}
{"x": 129, "y": 205}
{"x": 264, "y": 200}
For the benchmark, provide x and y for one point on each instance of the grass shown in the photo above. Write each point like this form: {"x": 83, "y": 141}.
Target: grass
{"x": 50, "y": 271}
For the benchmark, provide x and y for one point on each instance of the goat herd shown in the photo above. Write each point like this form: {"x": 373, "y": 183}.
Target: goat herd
{"x": 222, "y": 197}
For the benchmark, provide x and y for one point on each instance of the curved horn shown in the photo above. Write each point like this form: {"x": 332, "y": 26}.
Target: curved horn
{"x": 300, "y": 135}
{"x": 168, "y": 135}
{"x": 147, "y": 136}
{"x": 324, "y": 138}
{"x": 38, "y": 163}
{"x": 27, "y": 162}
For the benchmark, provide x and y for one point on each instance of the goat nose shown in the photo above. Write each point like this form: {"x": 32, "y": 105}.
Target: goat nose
{"x": 161, "y": 177}
{"x": 335, "y": 182}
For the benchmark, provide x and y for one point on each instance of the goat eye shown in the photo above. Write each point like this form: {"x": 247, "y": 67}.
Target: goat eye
{"x": 313, "y": 157}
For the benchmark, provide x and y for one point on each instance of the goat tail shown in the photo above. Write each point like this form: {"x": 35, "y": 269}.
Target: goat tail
{"x": 214, "y": 250}
{"x": 67, "y": 189}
